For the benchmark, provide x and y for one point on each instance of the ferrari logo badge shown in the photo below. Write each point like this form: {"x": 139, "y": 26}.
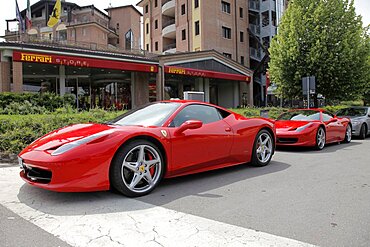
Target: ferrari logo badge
{"x": 141, "y": 168}
{"x": 164, "y": 133}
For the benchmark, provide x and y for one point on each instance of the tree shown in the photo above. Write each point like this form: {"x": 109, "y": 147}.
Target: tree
{"x": 323, "y": 38}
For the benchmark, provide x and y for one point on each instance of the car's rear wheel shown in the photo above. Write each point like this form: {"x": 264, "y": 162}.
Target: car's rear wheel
{"x": 263, "y": 148}
{"x": 348, "y": 136}
{"x": 137, "y": 168}
{"x": 320, "y": 138}
{"x": 363, "y": 131}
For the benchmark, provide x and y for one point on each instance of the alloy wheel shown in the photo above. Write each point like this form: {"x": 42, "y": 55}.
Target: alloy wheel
{"x": 141, "y": 168}
{"x": 264, "y": 148}
{"x": 321, "y": 138}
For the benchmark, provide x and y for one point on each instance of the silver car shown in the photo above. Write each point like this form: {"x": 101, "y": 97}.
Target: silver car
{"x": 360, "y": 119}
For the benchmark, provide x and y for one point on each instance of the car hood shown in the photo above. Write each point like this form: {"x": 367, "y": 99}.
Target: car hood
{"x": 65, "y": 135}
{"x": 290, "y": 125}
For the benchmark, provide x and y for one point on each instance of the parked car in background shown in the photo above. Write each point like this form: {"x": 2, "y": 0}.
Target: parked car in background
{"x": 360, "y": 119}
{"x": 311, "y": 128}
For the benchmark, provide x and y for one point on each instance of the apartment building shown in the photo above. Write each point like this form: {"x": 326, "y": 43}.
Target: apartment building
{"x": 82, "y": 26}
{"x": 197, "y": 25}
{"x": 264, "y": 16}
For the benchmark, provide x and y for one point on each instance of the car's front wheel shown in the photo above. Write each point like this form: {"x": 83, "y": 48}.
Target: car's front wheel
{"x": 137, "y": 168}
{"x": 320, "y": 138}
{"x": 263, "y": 148}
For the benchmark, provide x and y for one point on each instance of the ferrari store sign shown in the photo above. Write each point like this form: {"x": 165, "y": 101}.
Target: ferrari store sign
{"x": 205, "y": 73}
{"x": 82, "y": 62}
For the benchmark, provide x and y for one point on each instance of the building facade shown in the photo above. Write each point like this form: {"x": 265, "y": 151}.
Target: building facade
{"x": 264, "y": 16}
{"x": 95, "y": 56}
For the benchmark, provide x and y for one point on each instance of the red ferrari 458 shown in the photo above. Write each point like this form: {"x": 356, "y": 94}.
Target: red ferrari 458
{"x": 135, "y": 151}
{"x": 311, "y": 127}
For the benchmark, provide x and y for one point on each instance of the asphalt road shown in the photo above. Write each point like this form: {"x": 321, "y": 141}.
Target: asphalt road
{"x": 317, "y": 197}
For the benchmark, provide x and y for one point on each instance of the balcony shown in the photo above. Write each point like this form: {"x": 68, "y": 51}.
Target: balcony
{"x": 268, "y": 5}
{"x": 169, "y": 29}
{"x": 171, "y": 48}
{"x": 256, "y": 29}
{"x": 255, "y": 54}
{"x": 254, "y": 6}
{"x": 168, "y": 8}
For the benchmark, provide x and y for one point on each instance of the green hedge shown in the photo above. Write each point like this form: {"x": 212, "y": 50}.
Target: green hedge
{"x": 18, "y": 131}
{"x": 32, "y": 103}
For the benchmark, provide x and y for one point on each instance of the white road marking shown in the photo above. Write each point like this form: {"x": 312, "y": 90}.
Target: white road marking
{"x": 106, "y": 219}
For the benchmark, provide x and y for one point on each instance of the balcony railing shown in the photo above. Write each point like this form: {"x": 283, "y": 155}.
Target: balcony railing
{"x": 255, "y": 53}
{"x": 168, "y": 23}
{"x": 169, "y": 47}
{"x": 33, "y": 39}
{"x": 256, "y": 29}
{"x": 254, "y": 5}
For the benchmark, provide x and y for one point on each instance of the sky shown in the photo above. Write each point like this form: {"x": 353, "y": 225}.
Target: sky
{"x": 7, "y": 8}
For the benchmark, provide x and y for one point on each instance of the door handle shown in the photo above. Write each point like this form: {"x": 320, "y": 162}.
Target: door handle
{"x": 227, "y": 129}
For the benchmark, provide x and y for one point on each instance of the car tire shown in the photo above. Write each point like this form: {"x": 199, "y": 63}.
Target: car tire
{"x": 320, "y": 138}
{"x": 348, "y": 135}
{"x": 263, "y": 148}
{"x": 137, "y": 168}
{"x": 363, "y": 131}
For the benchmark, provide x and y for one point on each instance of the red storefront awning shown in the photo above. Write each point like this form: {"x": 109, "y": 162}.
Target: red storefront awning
{"x": 205, "y": 73}
{"x": 82, "y": 62}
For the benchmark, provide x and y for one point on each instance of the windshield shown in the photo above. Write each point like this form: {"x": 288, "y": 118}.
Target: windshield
{"x": 300, "y": 115}
{"x": 353, "y": 112}
{"x": 149, "y": 115}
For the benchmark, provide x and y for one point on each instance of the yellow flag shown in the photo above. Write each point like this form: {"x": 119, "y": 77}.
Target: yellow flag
{"x": 55, "y": 15}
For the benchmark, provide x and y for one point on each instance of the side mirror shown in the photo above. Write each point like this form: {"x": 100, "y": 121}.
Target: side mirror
{"x": 333, "y": 120}
{"x": 190, "y": 124}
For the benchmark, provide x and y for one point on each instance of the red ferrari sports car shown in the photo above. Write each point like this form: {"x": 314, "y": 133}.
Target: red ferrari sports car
{"x": 311, "y": 127}
{"x": 135, "y": 151}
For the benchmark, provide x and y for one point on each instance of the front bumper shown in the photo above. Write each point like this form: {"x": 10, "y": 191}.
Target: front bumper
{"x": 40, "y": 169}
{"x": 356, "y": 128}
{"x": 293, "y": 138}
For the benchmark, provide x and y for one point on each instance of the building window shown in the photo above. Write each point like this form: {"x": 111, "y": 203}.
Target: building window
{"x": 183, "y": 9}
{"x": 197, "y": 30}
{"x": 155, "y": 3}
{"x": 147, "y": 47}
{"x": 226, "y": 7}
{"x": 156, "y": 46}
{"x": 117, "y": 26}
{"x": 146, "y": 8}
{"x": 73, "y": 33}
{"x": 147, "y": 28}
{"x": 226, "y": 32}
{"x": 241, "y": 13}
{"x": 183, "y": 34}
{"x": 156, "y": 24}
{"x": 83, "y": 31}
{"x": 227, "y": 55}
{"x": 241, "y": 36}
{"x": 242, "y": 60}
{"x": 129, "y": 40}
{"x": 196, "y": 4}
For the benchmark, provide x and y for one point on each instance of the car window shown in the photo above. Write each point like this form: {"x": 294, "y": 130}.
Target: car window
{"x": 206, "y": 114}
{"x": 153, "y": 114}
{"x": 326, "y": 116}
{"x": 300, "y": 115}
{"x": 352, "y": 112}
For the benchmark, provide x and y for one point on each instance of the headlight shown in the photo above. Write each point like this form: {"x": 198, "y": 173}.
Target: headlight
{"x": 355, "y": 122}
{"x": 66, "y": 147}
{"x": 303, "y": 127}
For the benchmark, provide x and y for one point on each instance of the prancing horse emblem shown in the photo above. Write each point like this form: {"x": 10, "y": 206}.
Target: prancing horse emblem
{"x": 164, "y": 133}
